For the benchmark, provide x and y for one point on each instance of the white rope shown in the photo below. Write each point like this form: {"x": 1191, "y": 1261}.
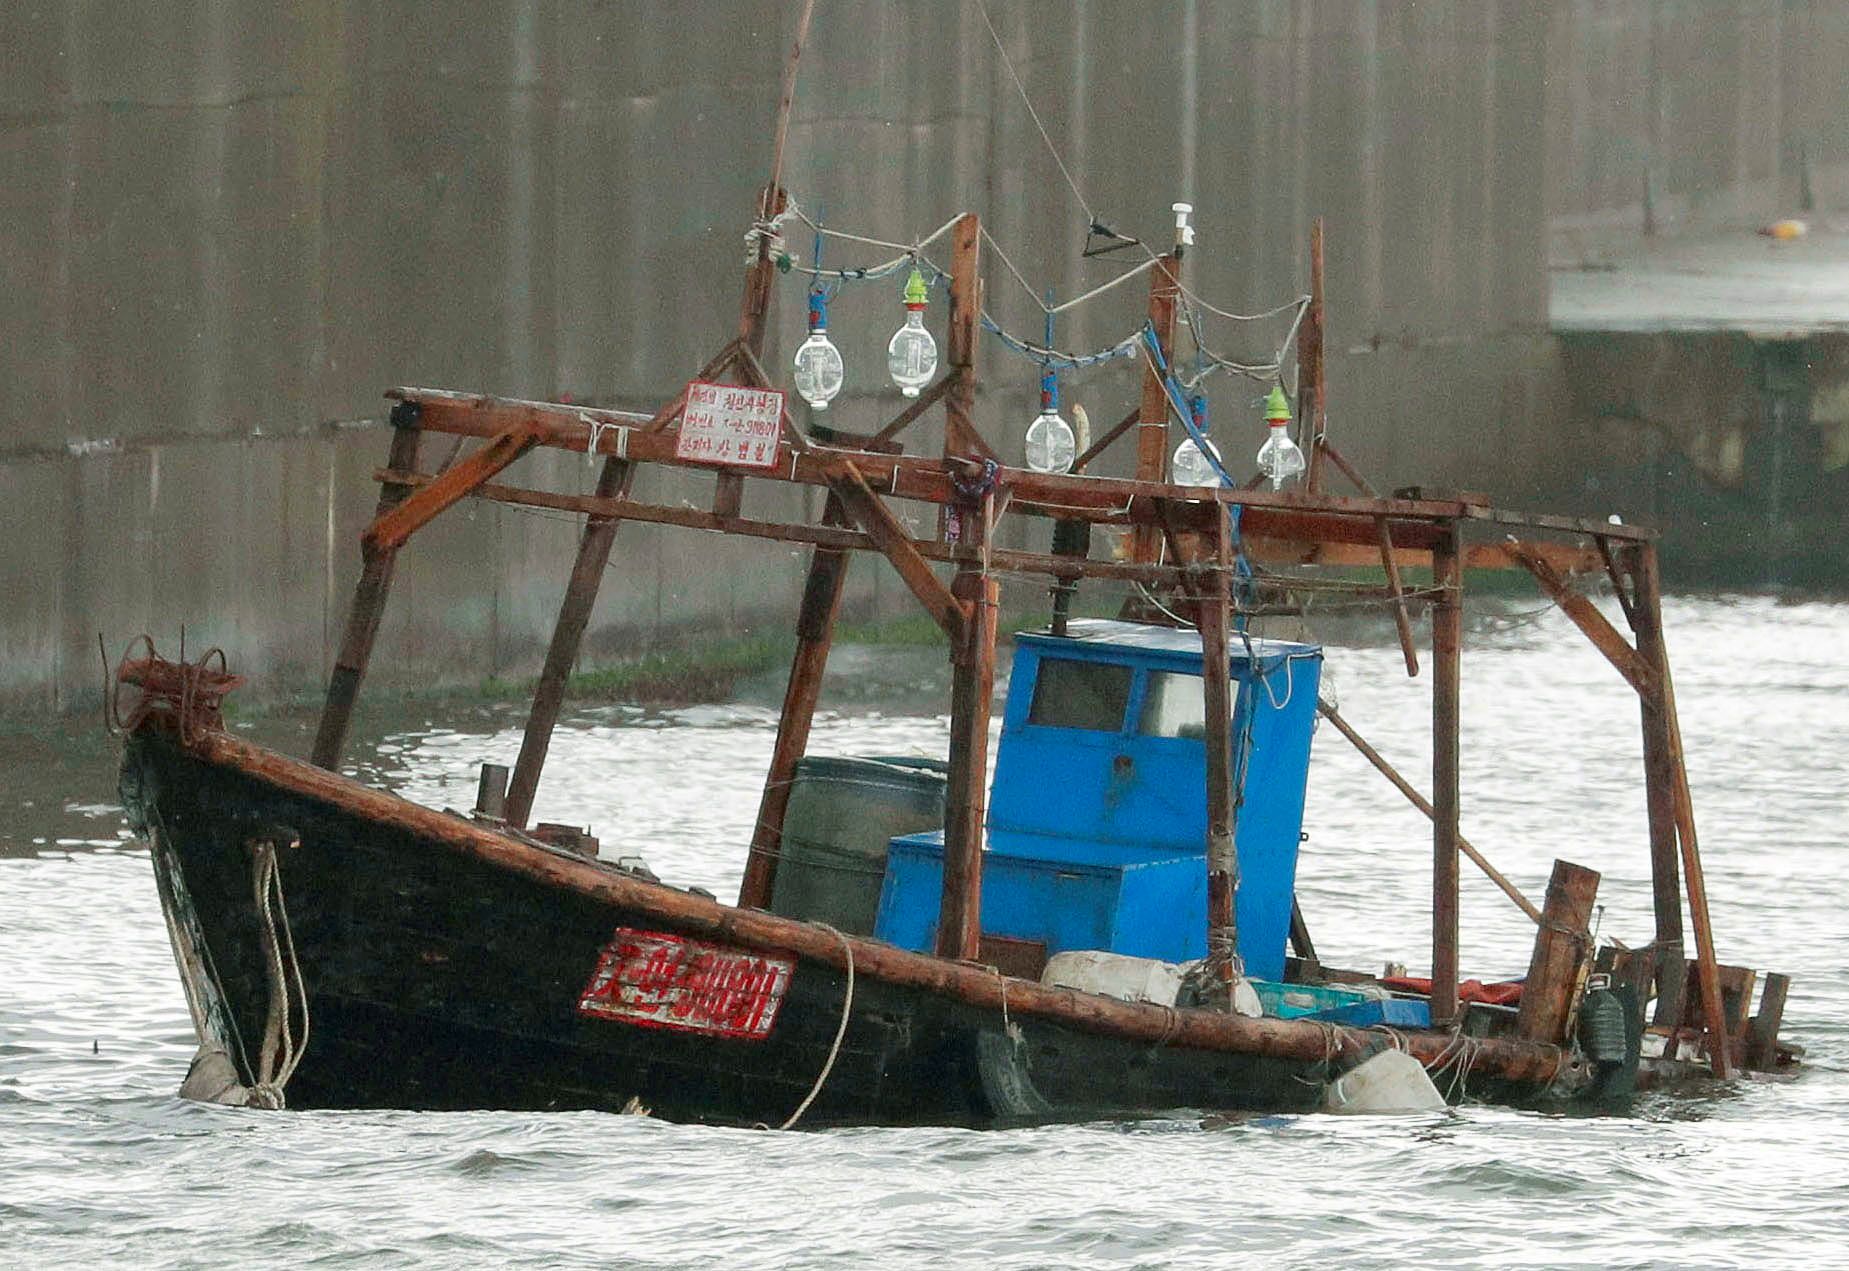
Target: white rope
{"x": 281, "y": 1053}
{"x": 847, "y": 1006}
{"x": 1033, "y": 114}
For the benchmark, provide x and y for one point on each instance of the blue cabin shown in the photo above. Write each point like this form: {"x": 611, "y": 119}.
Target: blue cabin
{"x": 1097, "y": 823}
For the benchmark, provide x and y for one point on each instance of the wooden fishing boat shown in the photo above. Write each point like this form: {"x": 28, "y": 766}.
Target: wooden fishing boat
{"x": 1065, "y": 945}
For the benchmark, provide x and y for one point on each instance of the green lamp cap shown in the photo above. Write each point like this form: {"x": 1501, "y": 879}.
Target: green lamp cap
{"x": 1277, "y": 406}
{"x": 915, "y": 293}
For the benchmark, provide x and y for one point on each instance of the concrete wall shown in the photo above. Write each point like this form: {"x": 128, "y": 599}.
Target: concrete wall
{"x": 226, "y": 226}
{"x": 1722, "y": 110}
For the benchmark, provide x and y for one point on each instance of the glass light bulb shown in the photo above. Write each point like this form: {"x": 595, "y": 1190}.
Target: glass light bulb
{"x": 819, "y": 370}
{"x": 1191, "y": 467}
{"x": 1050, "y": 444}
{"x": 911, "y": 356}
{"x": 1279, "y": 457}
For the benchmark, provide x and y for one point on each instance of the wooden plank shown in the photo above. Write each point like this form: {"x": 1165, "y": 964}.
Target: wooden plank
{"x": 1586, "y": 616}
{"x": 1348, "y": 470}
{"x": 369, "y": 595}
{"x": 972, "y": 689}
{"x": 1562, "y": 953}
{"x": 815, "y": 632}
{"x": 864, "y": 506}
{"x": 587, "y": 572}
{"x": 1447, "y": 649}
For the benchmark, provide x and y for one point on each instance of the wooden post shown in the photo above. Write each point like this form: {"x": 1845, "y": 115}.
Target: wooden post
{"x": 369, "y": 595}
{"x": 491, "y": 792}
{"x": 1664, "y": 695}
{"x": 1762, "y": 1033}
{"x": 1312, "y": 406}
{"x": 972, "y": 685}
{"x": 1447, "y": 649}
{"x": 587, "y": 573}
{"x": 1659, "y": 788}
{"x": 1562, "y": 944}
{"x": 1222, "y": 855}
{"x": 1152, "y": 414}
{"x": 815, "y": 634}
{"x": 960, "y": 341}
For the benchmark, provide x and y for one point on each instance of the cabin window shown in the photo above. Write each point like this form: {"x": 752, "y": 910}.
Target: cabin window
{"x": 1173, "y": 706}
{"x": 1070, "y": 694}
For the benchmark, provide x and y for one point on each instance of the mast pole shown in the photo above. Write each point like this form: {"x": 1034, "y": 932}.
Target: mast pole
{"x": 1312, "y": 410}
{"x": 1222, "y": 854}
{"x": 1447, "y": 649}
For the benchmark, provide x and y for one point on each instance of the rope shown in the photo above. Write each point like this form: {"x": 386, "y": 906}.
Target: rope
{"x": 281, "y": 1053}
{"x": 847, "y": 1006}
{"x": 1033, "y": 114}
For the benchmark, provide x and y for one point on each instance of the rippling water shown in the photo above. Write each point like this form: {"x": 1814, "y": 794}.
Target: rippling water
{"x": 101, "y": 1164}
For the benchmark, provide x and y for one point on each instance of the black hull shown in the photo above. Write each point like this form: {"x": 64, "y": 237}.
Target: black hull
{"x": 438, "y": 980}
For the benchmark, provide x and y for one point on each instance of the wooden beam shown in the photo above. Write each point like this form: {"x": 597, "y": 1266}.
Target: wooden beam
{"x": 864, "y": 506}
{"x": 587, "y": 571}
{"x": 1105, "y": 442}
{"x": 1562, "y": 952}
{"x": 1708, "y": 968}
{"x": 963, "y": 338}
{"x": 925, "y": 401}
{"x": 1659, "y": 789}
{"x": 1211, "y": 615}
{"x": 1447, "y": 649}
{"x": 815, "y": 633}
{"x": 1312, "y": 404}
{"x": 972, "y": 688}
{"x": 1153, "y": 409}
{"x": 1005, "y": 559}
{"x": 391, "y": 528}
{"x": 1587, "y": 618}
{"x": 1401, "y": 621}
{"x": 369, "y": 595}
{"x": 1565, "y": 557}
{"x": 1348, "y": 470}
{"x": 1424, "y": 805}
{"x": 1762, "y": 1034}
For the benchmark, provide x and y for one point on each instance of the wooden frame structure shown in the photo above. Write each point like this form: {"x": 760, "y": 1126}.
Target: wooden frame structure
{"x": 1185, "y": 544}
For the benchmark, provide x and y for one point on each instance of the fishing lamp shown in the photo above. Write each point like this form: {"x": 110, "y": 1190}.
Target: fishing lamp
{"x": 911, "y": 355}
{"x": 1050, "y": 443}
{"x": 819, "y": 369}
{"x": 1190, "y": 465}
{"x": 1279, "y": 458}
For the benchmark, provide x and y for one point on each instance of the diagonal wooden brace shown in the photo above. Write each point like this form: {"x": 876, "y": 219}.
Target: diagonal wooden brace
{"x": 1401, "y": 621}
{"x": 1587, "y": 618}
{"x": 926, "y": 400}
{"x": 389, "y": 532}
{"x": 864, "y": 506}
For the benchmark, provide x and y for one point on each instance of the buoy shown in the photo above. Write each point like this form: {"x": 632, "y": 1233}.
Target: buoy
{"x": 1785, "y": 230}
{"x": 1392, "y": 1081}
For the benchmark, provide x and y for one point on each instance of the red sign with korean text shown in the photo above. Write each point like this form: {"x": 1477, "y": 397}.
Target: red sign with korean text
{"x": 664, "y": 981}
{"x": 730, "y": 424}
